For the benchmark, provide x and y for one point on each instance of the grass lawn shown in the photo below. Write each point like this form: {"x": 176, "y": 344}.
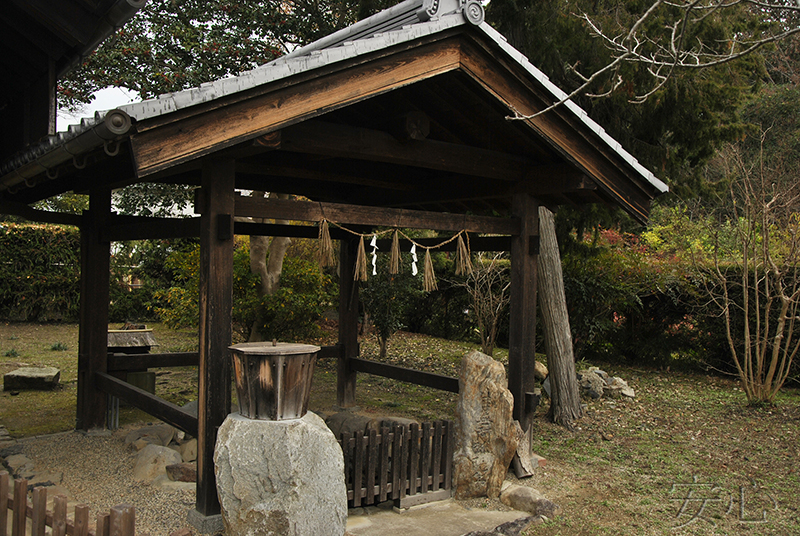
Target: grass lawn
{"x": 686, "y": 456}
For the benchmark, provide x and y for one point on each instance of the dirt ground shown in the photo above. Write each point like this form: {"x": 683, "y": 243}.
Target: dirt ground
{"x": 687, "y": 455}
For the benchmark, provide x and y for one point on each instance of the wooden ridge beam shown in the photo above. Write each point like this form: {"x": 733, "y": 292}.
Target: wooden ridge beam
{"x": 417, "y": 377}
{"x": 372, "y": 216}
{"x": 342, "y": 141}
{"x": 147, "y": 402}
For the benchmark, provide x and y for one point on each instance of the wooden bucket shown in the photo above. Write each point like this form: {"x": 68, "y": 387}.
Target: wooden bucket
{"x": 273, "y": 380}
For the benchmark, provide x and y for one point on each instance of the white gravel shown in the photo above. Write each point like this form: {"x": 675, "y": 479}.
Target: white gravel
{"x": 97, "y": 471}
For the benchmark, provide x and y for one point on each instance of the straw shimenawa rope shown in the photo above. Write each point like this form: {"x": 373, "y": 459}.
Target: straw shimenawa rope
{"x": 326, "y": 255}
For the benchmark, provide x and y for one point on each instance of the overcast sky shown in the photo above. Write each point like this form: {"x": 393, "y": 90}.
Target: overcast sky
{"x": 106, "y": 99}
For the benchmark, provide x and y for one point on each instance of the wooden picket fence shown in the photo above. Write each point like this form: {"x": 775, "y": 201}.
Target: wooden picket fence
{"x": 409, "y": 465}
{"x": 121, "y": 521}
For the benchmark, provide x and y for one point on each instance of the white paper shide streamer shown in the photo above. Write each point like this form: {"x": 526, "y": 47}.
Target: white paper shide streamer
{"x": 414, "y": 259}
{"x": 374, "y": 244}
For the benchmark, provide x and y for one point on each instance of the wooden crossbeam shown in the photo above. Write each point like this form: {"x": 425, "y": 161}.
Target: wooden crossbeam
{"x": 417, "y": 377}
{"x": 147, "y": 402}
{"x": 372, "y": 216}
{"x": 342, "y": 141}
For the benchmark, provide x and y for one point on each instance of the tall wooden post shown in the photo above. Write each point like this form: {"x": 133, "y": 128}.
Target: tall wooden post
{"x": 522, "y": 309}
{"x": 93, "y": 337}
{"x": 216, "y": 302}
{"x": 348, "y": 323}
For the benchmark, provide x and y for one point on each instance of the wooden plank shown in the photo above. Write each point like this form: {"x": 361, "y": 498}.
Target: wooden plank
{"x": 436, "y": 470}
{"x": 397, "y": 459}
{"x": 413, "y": 458}
{"x": 216, "y": 303}
{"x": 425, "y": 457}
{"x": 59, "y": 523}
{"x": 19, "y": 518}
{"x": 44, "y": 216}
{"x": 81, "y": 520}
{"x": 423, "y": 498}
{"x": 417, "y": 377}
{"x": 383, "y": 464}
{"x": 348, "y": 325}
{"x": 292, "y": 231}
{"x": 522, "y": 307}
{"x": 565, "y": 133}
{"x": 358, "y": 468}
{"x": 448, "y": 455}
{"x": 121, "y": 362}
{"x": 347, "y": 444}
{"x": 342, "y": 141}
{"x": 39, "y": 511}
{"x": 372, "y": 216}
{"x": 171, "y": 144}
{"x": 123, "y": 228}
{"x": 123, "y": 521}
{"x": 4, "y": 489}
{"x": 405, "y": 445}
{"x": 148, "y": 402}
{"x": 372, "y": 463}
{"x": 93, "y": 330}
{"x": 103, "y": 525}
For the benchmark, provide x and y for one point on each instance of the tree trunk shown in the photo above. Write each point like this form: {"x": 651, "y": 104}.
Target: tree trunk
{"x": 266, "y": 260}
{"x": 565, "y": 401}
{"x": 384, "y": 345}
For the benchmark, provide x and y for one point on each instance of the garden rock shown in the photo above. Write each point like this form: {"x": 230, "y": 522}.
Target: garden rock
{"x": 20, "y": 466}
{"x": 486, "y": 436}
{"x": 512, "y": 528}
{"x": 188, "y": 450}
{"x": 347, "y": 422}
{"x": 5, "y": 439}
{"x": 616, "y": 387}
{"x": 540, "y": 371}
{"x": 529, "y": 500}
{"x": 159, "y": 434}
{"x": 280, "y": 477}
{"x": 151, "y": 464}
{"x": 182, "y": 472}
{"x": 31, "y": 378}
{"x": 591, "y": 384}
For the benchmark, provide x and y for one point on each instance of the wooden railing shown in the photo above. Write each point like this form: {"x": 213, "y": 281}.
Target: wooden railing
{"x": 409, "y": 465}
{"x": 120, "y": 521}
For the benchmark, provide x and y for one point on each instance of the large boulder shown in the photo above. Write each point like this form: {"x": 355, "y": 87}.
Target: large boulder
{"x": 486, "y": 436}
{"x": 280, "y": 477}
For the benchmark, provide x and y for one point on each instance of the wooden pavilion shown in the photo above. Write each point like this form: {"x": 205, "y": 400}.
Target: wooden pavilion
{"x": 401, "y": 120}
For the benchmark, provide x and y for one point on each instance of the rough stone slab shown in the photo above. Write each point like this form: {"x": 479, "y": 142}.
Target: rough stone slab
{"x": 31, "y": 379}
{"x": 280, "y": 477}
{"x": 486, "y": 435}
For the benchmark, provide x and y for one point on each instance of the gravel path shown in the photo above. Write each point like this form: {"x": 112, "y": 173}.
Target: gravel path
{"x": 98, "y": 472}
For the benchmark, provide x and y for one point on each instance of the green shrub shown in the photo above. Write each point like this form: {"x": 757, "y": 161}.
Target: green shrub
{"x": 289, "y": 314}
{"x": 40, "y": 272}
{"x": 292, "y": 313}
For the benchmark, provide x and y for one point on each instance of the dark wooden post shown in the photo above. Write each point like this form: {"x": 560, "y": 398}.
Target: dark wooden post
{"x": 93, "y": 336}
{"x": 348, "y": 323}
{"x": 216, "y": 302}
{"x": 522, "y": 309}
